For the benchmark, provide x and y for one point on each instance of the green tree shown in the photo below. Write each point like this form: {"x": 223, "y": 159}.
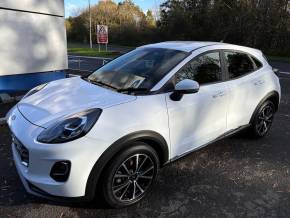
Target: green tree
{"x": 262, "y": 24}
{"x": 150, "y": 19}
{"x": 127, "y": 23}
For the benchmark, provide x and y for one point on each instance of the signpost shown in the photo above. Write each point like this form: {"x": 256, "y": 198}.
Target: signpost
{"x": 103, "y": 35}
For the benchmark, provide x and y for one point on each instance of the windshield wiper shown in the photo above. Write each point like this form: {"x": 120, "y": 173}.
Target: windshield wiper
{"x": 98, "y": 82}
{"x": 129, "y": 90}
{"x": 132, "y": 90}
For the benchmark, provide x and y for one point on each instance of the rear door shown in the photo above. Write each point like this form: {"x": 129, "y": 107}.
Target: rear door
{"x": 243, "y": 83}
{"x": 201, "y": 117}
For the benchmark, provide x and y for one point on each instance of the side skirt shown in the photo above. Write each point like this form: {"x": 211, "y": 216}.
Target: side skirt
{"x": 223, "y": 136}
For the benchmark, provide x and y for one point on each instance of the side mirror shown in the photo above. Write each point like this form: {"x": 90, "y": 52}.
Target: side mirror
{"x": 186, "y": 86}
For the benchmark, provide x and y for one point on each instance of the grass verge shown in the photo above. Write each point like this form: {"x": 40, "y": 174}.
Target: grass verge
{"x": 93, "y": 52}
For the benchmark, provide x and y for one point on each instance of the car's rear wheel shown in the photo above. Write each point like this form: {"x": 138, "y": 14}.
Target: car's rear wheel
{"x": 263, "y": 119}
{"x": 130, "y": 175}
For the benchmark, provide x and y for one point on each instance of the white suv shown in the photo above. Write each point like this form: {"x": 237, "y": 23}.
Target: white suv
{"x": 111, "y": 132}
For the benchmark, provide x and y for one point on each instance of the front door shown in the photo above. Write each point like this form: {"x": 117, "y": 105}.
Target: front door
{"x": 198, "y": 118}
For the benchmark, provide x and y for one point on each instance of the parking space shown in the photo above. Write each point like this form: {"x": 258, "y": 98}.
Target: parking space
{"x": 235, "y": 177}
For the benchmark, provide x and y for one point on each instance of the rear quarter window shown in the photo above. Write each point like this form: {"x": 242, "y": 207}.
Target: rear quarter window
{"x": 257, "y": 62}
{"x": 238, "y": 64}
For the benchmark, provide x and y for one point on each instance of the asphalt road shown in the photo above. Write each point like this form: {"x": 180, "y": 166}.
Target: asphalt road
{"x": 85, "y": 63}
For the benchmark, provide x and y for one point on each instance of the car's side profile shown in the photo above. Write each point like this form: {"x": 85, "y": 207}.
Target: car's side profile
{"x": 109, "y": 134}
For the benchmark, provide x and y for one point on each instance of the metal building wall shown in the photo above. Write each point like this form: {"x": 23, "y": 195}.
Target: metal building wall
{"x": 55, "y": 7}
{"x": 33, "y": 36}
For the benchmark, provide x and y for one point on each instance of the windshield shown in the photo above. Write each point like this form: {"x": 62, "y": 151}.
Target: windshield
{"x": 140, "y": 69}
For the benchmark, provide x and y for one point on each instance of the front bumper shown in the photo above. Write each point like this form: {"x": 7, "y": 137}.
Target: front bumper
{"x": 36, "y": 191}
{"x": 36, "y": 176}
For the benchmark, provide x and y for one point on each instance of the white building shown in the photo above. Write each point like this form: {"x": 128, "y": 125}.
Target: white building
{"x": 32, "y": 38}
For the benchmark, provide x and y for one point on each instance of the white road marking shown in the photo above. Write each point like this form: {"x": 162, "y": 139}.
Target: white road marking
{"x": 75, "y": 61}
{"x": 72, "y": 56}
{"x": 287, "y": 73}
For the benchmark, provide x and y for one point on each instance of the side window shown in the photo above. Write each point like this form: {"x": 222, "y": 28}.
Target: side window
{"x": 238, "y": 64}
{"x": 203, "y": 69}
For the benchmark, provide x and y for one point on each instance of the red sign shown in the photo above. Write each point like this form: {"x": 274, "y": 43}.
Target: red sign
{"x": 102, "y": 34}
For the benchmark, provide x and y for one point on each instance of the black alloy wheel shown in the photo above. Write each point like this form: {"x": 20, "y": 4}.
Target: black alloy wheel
{"x": 264, "y": 119}
{"x": 130, "y": 175}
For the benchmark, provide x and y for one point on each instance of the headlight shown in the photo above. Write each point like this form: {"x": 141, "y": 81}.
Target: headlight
{"x": 70, "y": 128}
{"x": 35, "y": 90}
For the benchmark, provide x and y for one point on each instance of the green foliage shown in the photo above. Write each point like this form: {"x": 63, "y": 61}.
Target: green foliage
{"x": 92, "y": 52}
{"x": 127, "y": 23}
{"x": 77, "y": 31}
{"x": 150, "y": 19}
{"x": 261, "y": 24}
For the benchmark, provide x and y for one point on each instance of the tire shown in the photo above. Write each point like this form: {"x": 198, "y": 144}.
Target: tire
{"x": 125, "y": 182}
{"x": 263, "y": 120}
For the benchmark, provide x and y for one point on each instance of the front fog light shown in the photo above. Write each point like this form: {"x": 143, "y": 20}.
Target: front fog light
{"x": 60, "y": 171}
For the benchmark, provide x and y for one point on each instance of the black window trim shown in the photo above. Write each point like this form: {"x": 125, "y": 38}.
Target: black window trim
{"x": 256, "y": 68}
{"x": 225, "y": 74}
{"x": 171, "y": 81}
{"x": 252, "y": 57}
{"x": 223, "y": 79}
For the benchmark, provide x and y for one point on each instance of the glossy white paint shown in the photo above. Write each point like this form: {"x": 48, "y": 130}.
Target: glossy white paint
{"x": 186, "y": 46}
{"x": 185, "y": 125}
{"x": 42, "y": 157}
{"x": 197, "y": 118}
{"x": 67, "y": 96}
{"x": 187, "y": 84}
{"x": 246, "y": 93}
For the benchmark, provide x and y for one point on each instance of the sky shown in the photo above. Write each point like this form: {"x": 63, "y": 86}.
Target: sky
{"x": 71, "y": 6}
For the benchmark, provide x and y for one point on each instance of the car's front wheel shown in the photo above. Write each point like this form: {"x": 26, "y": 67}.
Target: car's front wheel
{"x": 130, "y": 175}
{"x": 263, "y": 119}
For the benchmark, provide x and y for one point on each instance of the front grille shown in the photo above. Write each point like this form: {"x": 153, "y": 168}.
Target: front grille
{"x": 21, "y": 150}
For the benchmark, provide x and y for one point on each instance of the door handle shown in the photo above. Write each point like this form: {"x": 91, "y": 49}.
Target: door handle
{"x": 259, "y": 82}
{"x": 219, "y": 94}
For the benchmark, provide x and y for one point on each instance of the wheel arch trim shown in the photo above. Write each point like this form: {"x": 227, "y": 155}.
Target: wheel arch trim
{"x": 272, "y": 94}
{"x": 160, "y": 145}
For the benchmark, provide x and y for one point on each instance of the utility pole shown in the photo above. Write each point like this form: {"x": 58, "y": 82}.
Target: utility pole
{"x": 90, "y": 14}
{"x": 156, "y": 13}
